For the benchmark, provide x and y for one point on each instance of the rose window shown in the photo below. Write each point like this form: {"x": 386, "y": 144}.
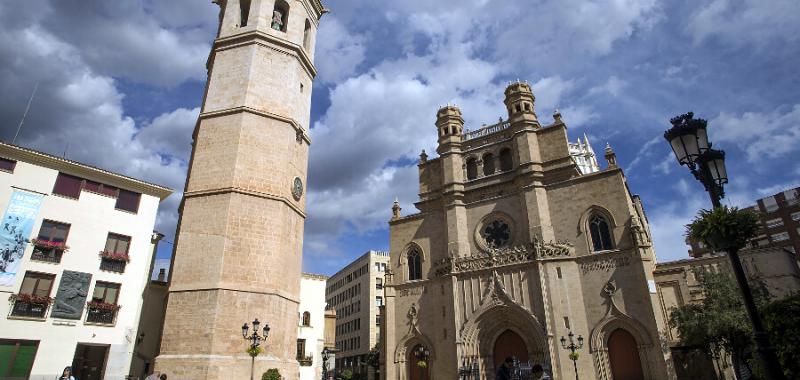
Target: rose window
{"x": 496, "y": 233}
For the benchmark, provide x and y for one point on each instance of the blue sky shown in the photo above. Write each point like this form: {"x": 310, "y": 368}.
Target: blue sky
{"x": 120, "y": 83}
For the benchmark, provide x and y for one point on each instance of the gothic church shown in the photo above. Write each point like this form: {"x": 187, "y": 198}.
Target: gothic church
{"x": 521, "y": 239}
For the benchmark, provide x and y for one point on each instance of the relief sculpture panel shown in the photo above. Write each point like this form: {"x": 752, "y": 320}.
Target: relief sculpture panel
{"x": 71, "y": 295}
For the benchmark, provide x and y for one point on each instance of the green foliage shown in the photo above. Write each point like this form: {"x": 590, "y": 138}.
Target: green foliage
{"x": 422, "y": 364}
{"x": 271, "y": 374}
{"x": 718, "y": 323}
{"x": 374, "y": 357}
{"x": 723, "y": 228}
{"x": 346, "y": 375}
{"x": 782, "y": 321}
{"x": 254, "y": 351}
{"x": 574, "y": 356}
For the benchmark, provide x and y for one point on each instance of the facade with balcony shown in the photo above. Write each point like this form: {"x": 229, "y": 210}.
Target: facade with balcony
{"x": 76, "y": 250}
{"x": 311, "y": 334}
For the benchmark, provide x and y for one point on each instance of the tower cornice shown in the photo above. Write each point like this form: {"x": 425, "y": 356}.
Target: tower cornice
{"x": 268, "y": 41}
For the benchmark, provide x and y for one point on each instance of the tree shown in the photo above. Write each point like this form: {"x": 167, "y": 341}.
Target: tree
{"x": 374, "y": 360}
{"x": 271, "y": 374}
{"x": 718, "y": 324}
{"x": 782, "y": 320}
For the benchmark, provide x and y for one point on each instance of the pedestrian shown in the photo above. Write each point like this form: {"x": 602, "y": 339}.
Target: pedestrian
{"x": 66, "y": 375}
{"x": 163, "y": 376}
{"x": 539, "y": 373}
{"x": 504, "y": 371}
{"x": 153, "y": 376}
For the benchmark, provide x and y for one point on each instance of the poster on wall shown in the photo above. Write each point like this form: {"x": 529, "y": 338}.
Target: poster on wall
{"x": 14, "y": 232}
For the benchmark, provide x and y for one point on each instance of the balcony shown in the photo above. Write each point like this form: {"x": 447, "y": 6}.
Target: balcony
{"x": 101, "y": 313}
{"x": 305, "y": 361}
{"x": 112, "y": 265}
{"x": 29, "y": 306}
{"x": 47, "y": 251}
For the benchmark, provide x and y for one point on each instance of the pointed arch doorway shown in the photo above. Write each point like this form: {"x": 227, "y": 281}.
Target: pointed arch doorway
{"x": 623, "y": 355}
{"x": 509, "y": 343}
{"x": 418, "y": 366}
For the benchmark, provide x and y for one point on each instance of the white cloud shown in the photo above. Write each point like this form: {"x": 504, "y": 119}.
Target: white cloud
{"x": 752, "y": 22}
{"x": 613, "y": 87}
{"x": 760, "y": 135}
{"x": 171, "y": 133}
{"x": 342, "y": 51}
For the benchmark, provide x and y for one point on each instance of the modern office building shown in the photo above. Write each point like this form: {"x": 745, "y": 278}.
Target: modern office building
{"x": 356, "y": 293}
{"x": 77, "y": 244}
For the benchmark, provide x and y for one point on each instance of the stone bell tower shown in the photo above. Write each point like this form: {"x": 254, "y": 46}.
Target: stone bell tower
{"x": 238, "y": 251}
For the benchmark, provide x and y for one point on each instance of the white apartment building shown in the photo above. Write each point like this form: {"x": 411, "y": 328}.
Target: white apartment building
{"x": 76, "y": 247}
{"x": 356, "y": 292}
{"x": 311, "y": 329}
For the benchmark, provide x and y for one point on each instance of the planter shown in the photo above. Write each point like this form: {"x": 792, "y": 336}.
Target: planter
{"x": 29, "y": 306}
{"x": 115, "y": 256}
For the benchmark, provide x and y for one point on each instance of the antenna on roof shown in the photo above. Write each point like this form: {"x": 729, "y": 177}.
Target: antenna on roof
{"x": 28, "y": 107}
{"x": 64, "y": 156}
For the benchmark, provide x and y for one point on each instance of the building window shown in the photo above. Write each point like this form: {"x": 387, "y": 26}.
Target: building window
{"x": 378, "y": 301}
{"x": 16, "y": 358}
{"x": 796, "y": 216}
{"x": 114, "y": 256}
{"x": 770, "y": 204}
{"x": 103, "y": 307}
{"x": 306, "y": 319}
{"x": 244, "y": 9}
{"x": 414, "y": 265}
{"x": 378, "y": 283}
{"x": 50, "y": 245}
{"x": 781, "y": 236}
{"x": 280, "y": 16}
{"x": 7, "y": 165}
{"x": 600, "y": 233}
{"x": 306, "y": 38}
{"x": 128, "y": 201}
{"x": 301, "y": 348}
{"x": 33, "y": 298}
{"x": 68, "y": 186}
{"x": 506, "y": 162}
{"x": 472, "y": 168}
{"x": 488, "y": 164}
{"x": 772, "y": 223}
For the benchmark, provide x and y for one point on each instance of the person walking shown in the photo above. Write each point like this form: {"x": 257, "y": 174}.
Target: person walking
{"x": 67, "y": 374}
{"x": 153, "y": 376}
{"x": 504, "y": 371}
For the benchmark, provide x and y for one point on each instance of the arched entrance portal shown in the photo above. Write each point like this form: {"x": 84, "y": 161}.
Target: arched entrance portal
{"x": 624, "y": 356}
{"x": 419, "y": 363}
{"x": 509, "y": 344}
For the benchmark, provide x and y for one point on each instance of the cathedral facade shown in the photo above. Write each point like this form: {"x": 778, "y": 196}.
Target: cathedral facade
{"x": 520, "y": 240}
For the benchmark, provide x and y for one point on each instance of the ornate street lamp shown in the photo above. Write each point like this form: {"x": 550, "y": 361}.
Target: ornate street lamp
{"x": 326, "y": 355}
{"x": 689, "y": 141}
{"x": 572, "y": 347}
{"x": 255, "y": 342}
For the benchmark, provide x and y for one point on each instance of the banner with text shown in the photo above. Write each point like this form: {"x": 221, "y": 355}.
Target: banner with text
{"x": 23, "y": 208}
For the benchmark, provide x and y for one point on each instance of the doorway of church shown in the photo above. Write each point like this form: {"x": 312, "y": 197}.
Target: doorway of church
{"x": 419, "y": 364}
{"x": 624, "y": 356}
{"x": 508, "y": 344}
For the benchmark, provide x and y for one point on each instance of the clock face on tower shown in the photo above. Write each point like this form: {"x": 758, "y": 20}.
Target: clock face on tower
{"x": 297, "y": 188}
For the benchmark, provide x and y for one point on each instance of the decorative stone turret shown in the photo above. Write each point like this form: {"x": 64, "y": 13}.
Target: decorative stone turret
{"x": 519, "y": 102}
{"x": 450, "y": 125}
{"x": 611, "y": 157}
{"x": 396, "y": 209}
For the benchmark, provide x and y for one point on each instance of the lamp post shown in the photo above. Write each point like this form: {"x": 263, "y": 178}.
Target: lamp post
{"x": 326, "y": 355}
{"x": 572, "y": 347}
{"x": 689, "y": 141}
{"x": 255, "y": 342}
{"x": 423, "y": 354}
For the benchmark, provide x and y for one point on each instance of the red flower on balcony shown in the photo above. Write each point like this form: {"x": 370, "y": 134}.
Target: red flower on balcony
{"x": 102, "y": 306}
{"x": 30, "y": 298}
{"x": 116, "y": 256}
{"x": 48, "y": 244}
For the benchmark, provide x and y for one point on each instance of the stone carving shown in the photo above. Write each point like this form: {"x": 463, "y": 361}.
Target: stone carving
{"x": 610, "y": 288}
{"x": 412, "y": 314}
{"x": 497, "y": 257}
{"x": 277, "y": 20}
{"x": 71, "y": 295}
{"x": 605, "y": 264}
